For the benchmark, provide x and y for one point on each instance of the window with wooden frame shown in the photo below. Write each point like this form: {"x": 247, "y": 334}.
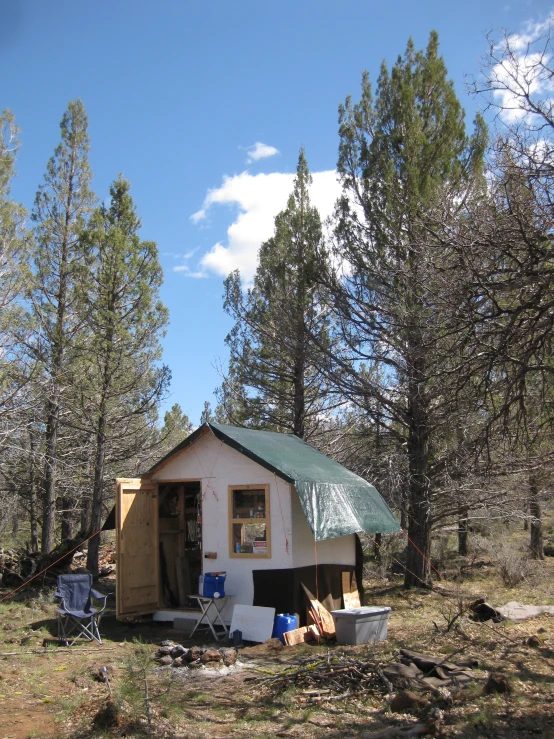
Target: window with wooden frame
{"x": 249, "y": 526}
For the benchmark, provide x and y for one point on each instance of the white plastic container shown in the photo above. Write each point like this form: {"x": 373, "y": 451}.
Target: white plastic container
{"x": 361, "y": 625}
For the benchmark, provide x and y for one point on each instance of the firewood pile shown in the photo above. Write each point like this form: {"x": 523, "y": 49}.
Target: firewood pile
{"x": 338, "y": 676}
{"x": 332, "y": 677}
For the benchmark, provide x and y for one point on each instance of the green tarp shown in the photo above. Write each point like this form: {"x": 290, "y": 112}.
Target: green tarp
{"x": 335, "y": 501}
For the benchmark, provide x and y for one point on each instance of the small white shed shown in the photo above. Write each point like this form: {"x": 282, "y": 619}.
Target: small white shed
{"x": 266, "y": 508}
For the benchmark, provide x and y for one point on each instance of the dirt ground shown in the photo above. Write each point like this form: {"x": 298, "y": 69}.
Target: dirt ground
{"x": 52, "y": 691}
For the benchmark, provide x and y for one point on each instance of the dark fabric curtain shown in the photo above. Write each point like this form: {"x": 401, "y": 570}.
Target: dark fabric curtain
{"x": 282, "y": 589}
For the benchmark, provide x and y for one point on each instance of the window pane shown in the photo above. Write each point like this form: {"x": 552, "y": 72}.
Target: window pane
{"x": 248, "y": 503}
{"x": 249, "y": 538}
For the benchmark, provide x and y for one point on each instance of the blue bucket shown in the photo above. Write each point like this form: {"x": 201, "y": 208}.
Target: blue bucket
{"x": 284, "y": 622}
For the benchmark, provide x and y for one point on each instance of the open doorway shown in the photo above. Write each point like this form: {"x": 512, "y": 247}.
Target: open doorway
{"x": 180, "y": 532}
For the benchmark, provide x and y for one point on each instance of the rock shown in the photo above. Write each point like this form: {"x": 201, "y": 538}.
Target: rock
{"x": 497, "y": 683}
{"x": 408, "y": 702}
{"x": 229, "y": 656}
{"x": 177, "y": 651}
{"x": 548, "y": 550}
{"x": 533, "y": 641}
{"x": 542, "y": 630}
{"x": 481, "y": 611}
{"x": 192, "y": 654}
{"x": 167, "y": 643}
{"x": 178, "y": 662}
{"x": 100, "y": 673}
{"x": 165, "y": 660}
{"x": 162, "y": 651}
{"x": 107, "y": 716}
{"x": 211, "y": 655}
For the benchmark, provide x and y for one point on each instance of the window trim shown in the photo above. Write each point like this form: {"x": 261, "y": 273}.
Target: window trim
{"x": 233, "y": 521}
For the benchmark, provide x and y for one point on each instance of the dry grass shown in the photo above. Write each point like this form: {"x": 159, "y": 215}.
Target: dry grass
{"x": 54, "y": 692}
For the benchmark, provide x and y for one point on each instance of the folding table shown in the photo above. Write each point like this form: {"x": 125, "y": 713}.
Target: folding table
{"x": 211, "y": 614}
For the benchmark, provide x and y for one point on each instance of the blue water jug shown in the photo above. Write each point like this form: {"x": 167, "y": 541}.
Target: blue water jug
{"x": 284, "y": 622}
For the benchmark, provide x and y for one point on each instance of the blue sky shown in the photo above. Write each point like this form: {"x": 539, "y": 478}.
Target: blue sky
{"x": 203, "y": 107}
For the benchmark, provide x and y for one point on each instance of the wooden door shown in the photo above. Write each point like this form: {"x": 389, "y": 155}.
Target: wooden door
{"x": 137, "y": 547}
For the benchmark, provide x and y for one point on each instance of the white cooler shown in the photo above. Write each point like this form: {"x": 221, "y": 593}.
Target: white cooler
{"x": 361, "y": 625}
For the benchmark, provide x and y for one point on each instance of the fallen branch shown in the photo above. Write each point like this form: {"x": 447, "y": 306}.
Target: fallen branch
{"x": 399, "y": 731}
{"x": 53, "y": 651}
{"x": 320, "y": 699}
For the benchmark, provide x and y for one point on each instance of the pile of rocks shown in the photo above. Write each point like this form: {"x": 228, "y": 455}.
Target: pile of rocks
{"x": 175, "y": 655}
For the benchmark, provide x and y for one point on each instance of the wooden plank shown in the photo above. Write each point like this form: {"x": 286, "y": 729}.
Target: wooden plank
{"x": 137, "y": 546}
{"x": 298, "y": 636}
{"x": 322, "y": 617}
{"x": 350, "y": 594}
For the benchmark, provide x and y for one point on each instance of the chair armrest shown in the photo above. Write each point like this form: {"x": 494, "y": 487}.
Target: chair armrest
{"x": 58, "y": 595}
{"x": 99, "y": 596}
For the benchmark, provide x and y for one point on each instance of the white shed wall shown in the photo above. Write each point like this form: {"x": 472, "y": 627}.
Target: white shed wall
{"x": 339, "y": 551}
{"x": 217, "y": 465}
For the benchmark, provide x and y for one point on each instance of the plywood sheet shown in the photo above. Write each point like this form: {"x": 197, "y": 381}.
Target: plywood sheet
{"x": 323, "y": 619}
{"x": 298, "y": 636}
{"x": 255, "y": 622}
{"x": 350, "y": 593}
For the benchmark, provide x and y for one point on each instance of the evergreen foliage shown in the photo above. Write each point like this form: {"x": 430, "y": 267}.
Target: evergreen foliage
{"x": 401, "y": 153}
{"x": 274, "y": 380}
{"x": 126, "y": 321}
{"x": 62, "y": 205}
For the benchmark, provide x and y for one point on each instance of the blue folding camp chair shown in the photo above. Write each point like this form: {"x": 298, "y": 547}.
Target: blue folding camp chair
{"x": 76, "y": 615}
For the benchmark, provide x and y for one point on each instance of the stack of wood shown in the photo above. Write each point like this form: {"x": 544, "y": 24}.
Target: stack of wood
{"x": 320, "y": 623}
{"x": 331, "y": 677}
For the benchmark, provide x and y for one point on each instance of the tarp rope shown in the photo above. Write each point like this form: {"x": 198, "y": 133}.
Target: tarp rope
{"x": 282, "y": 517}
{"x": 209, "y": 478}
{"x": 424, "y": 557}
{"x": 38, "y": 574}
{"x": 316, "y": 571}
{"x": 401, "y": 564}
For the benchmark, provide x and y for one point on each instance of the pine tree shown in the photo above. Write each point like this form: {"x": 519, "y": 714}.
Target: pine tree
{"x": 14, "y": 282}
{"x": 402, "y": 155}
{"x": 273, "y": 380}
{"x": 177, "y": 426}
{"x": 126, "y": 320}
{"x": 14, "y": 273}
{"x": 62, "y": 205}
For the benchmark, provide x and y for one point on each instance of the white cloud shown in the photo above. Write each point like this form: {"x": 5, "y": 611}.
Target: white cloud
{"x": 258, "y": 198}
{"x": 260, "y": 151}
{"x": 521, "y": 68}
{"x": 188, "y": 272}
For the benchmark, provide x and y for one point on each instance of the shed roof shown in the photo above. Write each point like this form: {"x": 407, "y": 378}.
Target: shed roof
{"x": 335, "y": 501}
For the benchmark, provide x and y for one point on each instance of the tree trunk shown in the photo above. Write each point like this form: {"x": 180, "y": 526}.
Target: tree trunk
{"x": 403, "y": 515}
{"x": 526, "y": 516}
{"x": 98, "y": 487}
{"x": 97, "y": 495}
{"x": 536, "y": 542}
{"x": 66, "y": 519}
{"x": 86, "y": 514}
{"x": 418, "y": 568}
{"x": 377, "y": 548}
{"x": 33, "y": 544}
{"x": 462, "y": 532}
{"x": 49, "y": 502}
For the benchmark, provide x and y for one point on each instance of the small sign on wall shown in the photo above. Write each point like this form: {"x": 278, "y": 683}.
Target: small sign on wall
{"x": 259, "y": 547}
